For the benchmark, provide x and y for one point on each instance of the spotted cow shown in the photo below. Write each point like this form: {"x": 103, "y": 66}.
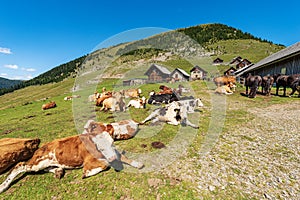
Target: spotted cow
{"x": 94, "y": 152}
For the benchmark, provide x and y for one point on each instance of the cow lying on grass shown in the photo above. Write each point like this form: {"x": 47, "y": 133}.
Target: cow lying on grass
{"x": 137, "y": 103}
{"x": 224, "y": 89}
{"x": 49, "y": 105}
{"x": 121, "y": 130}
{"x": 92, "y": 152}
{"x": 175, "y": 113}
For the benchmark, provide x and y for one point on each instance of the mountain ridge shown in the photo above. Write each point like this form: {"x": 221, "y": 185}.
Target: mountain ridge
{"x": 207, "y": 35}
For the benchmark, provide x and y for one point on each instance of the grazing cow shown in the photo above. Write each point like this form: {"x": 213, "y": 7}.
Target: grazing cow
{"x": 121, "y": 130}
{"x": 49, "y": 105}
{"x": 114, "y": 103}
{"x": 266, "y": 85}
{"x": 162, "y": 98}
{"x": 132, "y": 93}
{"x": 175, "y": 113}
{"x": 93, "y": 152}
{"x": 224, "y": 89}
{"x": 225, "y": 80}
{"x": 253, "y": 82}
{"x": 137, "y": 103}
{"x": 165, "y": 90}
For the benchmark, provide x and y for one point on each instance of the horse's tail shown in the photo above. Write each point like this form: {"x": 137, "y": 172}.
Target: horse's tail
{"x": 268, "y": 85}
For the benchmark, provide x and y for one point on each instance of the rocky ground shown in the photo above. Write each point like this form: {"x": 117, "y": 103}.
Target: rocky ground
{"x": 259, "y": 160}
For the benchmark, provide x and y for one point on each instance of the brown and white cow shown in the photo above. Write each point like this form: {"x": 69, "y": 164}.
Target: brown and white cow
{"x": 137, "y": 103}
{"x": 224, "y": 89}
{"x": 121, "y": 130}
{"x": 49, "y": 105}
{"x": 114, "y": 103}
{"x": 92, "y": 152}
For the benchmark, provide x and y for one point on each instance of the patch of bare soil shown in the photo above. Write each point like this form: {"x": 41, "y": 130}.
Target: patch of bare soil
{"x": 260, "y": 159}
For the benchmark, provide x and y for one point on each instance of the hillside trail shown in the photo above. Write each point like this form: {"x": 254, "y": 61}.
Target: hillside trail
{"x": 259, "y": 159}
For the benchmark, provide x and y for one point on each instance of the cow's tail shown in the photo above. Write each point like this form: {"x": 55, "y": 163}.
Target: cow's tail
{"x": 18, "y": 169}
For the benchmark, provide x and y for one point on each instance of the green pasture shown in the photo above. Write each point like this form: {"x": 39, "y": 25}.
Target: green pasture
{"x": 22, "y": 117}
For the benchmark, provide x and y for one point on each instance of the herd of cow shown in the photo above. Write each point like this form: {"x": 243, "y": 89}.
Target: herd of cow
{"x": 94, "y": 150}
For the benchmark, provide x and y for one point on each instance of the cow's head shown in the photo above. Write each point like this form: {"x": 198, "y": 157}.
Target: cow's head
{"x": 198, "y": 103}
{"x": 143, "y": 102}
{"x": 93, "y": 127}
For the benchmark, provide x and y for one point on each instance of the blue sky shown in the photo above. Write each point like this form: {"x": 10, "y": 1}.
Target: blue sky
{"x": 36, "y": 36}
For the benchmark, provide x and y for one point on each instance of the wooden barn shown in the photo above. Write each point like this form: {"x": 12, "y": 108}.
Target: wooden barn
{"x": 286, "y": 61}
{"x": 157, "y": 73}
{"x": 230, "y": 71}
{"x": 236, "y": 60}
{"x": 179, "y": 75}
{"x": 134, "y": 81}
{"x": 197, "y": 73}
{"x": 217, "y": 61}
{"x": 243, "y": 64}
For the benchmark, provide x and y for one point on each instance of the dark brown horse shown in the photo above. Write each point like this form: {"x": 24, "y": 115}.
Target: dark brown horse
{"x": 253, "y": 82}
{"x": 295, "y": 85}
{"x": 285, "y": 81}
{"x": 266, "y": 85}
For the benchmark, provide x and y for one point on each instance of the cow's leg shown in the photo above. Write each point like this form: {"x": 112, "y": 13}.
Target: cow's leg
{"x": 93, "y": 166}
{"x": 246, "y": 90}
{"x": 57, "y": 171}
{"x": 284, "y": 91}
{"x": 29, "y": 166}
{"x": 130, "y": 162}
{"x": 151, "y": 116}
{"x": 277, "y": 88}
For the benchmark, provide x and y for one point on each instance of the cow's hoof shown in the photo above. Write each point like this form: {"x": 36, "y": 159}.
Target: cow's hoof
{"x": 137, "y": 164}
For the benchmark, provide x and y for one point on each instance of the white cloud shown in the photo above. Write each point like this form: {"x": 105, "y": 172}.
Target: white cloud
{"x": 11, "y": 66}
{"x": 3, "y": 74}
{"x": 29, "y": 69}
{"x": 5, "y": 50}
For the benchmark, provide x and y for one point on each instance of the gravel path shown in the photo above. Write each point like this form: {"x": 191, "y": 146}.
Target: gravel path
{"x": 259, "y": 160}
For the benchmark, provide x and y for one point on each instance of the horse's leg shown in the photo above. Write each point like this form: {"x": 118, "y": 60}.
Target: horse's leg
{"x": 277, "y": 88}
{"x": 284, "y": 91}
{"x": 246, "y": 90}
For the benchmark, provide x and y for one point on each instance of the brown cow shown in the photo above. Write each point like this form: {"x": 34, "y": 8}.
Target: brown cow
{"x": 93, "y": 152}
{"x": 114, "y": 103}
{"x": 49, "y": 105}
{"x": 102, "y": 97}
{"x": 165, "y": 90}
{"x": 132, "y": 93}
{"x": 225, "y": 80}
